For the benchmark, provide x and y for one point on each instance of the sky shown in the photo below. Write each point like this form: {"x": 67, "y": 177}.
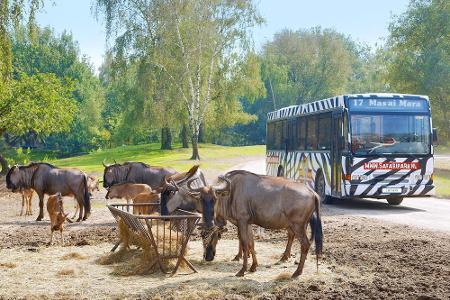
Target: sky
{"x": 365, "y": 20}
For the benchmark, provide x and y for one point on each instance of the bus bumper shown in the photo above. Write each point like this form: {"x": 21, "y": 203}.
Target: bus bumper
{"x": 383, "y": 191}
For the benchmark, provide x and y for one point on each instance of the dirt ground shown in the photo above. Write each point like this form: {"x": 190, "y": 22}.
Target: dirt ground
{"x": 363, "y": 259}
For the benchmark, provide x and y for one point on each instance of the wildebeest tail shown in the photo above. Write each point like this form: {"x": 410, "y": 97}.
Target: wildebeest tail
{"x": 86, "y": 196}
{"x": 316, "y": 229}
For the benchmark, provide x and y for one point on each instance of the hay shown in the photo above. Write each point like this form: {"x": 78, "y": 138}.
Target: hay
{"x": 283, "y": 276}
{"x": 8, "y": 265}
{"x": 73, "y": 255}
{"x": 129, "y": 262}
{"x": 66, "y": 272}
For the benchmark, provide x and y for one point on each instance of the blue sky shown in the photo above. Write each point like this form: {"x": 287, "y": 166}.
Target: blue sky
{"x": 365, "y": 20}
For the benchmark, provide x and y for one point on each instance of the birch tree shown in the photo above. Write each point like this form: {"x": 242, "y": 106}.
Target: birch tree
{"x": 187, "y": 41}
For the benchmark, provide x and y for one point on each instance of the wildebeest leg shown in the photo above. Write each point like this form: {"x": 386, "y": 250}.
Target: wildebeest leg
{"x": 239, "y": 254}
{"x": 251, "y": 245}
{"x": 77, "y": 206}
{"x": 287, "y": 251}
{"x": 80, "y": 205}
{"x": 300, "y": 230}
{"x": 244, "y": 241}
{"x": 41, "y": 207}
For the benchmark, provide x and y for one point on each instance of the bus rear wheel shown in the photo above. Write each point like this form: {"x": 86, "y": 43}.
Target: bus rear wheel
{"x": 394, "y": 200}
{"x": 320, "y": 189}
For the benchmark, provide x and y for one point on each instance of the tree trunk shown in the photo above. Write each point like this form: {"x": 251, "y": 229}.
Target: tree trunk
{"x": 195, "y": 154}
{"x": 4, "y": 165}
{"x": 184, "y": 137}
{"x": 201, "y": 134}
{"x": 166, "y": 138}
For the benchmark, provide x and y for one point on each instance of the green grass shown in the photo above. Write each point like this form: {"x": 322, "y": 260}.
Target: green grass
{"x": 212, "y": 156}
{"x": 442, "y": 182}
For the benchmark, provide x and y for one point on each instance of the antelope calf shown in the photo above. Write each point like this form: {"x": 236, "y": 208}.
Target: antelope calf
{"x": 127, "y": 190}
{"x": 145, "y": 198}
{"x": 27, "y": 196}
{"x": 57, "y": 216}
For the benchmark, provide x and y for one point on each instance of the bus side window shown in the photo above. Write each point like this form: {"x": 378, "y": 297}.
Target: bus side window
{"x": 301, "y": 133}
{"x": 311, "y": 136}
{"x": 324, "y": 131}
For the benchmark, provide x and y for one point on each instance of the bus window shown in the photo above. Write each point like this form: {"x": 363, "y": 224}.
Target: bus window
{"x": 311, "y": 137}
{"x": 270, "y": 135}
{"x": 278, "y": 136}
{"x": 325, "y": 131}
{"x": 301, "y": 133}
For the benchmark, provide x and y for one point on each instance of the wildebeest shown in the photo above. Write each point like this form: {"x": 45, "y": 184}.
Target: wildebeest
{"x": 270, "y": 202}
{"x": 135, "y": 172}
{"x": 143, "y": 198}
{"x": 47, "y": 179}
{"x": 55, "y": 210}
{"x": 127, "y": 190}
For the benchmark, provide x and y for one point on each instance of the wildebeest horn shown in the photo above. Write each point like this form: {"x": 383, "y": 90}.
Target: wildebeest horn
{"x": 191, "y": 188}
{"x": 103, "y": 162}
{"x": 227, "y": 187}
{"x": 115, "y": 161}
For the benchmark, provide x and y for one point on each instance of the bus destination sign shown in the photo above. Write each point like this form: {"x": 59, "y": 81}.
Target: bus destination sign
{"x": 388, "y": 104}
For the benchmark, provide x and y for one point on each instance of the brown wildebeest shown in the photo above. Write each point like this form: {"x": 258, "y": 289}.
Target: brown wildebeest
{"x": 93, "y": 185}
{"x": 47, "y": 179}
{"x": 135, "y": 172}
{"x": 55, "y": 210}
{"x": 270, "y": 202}
{"x": 127, "y": 190}
{"x": 178, "y": 195}
{"x": 144, "y": 198}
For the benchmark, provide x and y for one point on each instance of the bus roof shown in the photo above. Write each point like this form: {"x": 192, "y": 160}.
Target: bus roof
{"x": 331, "y": 103}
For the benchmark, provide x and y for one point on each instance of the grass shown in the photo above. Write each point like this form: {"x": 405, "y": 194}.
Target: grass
{"x": 217, "y": 157}
{"x": 442, "y": 182}
{"x": 8, "y": 265}
{"x": 66, "y": 272}
{"x": 73, "y": 255}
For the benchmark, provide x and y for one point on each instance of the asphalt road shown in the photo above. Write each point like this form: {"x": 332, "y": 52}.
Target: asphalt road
{"x": 426, "y": 213}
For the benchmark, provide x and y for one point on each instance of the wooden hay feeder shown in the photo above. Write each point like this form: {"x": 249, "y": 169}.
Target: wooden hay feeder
{"x": 164, "y": 237}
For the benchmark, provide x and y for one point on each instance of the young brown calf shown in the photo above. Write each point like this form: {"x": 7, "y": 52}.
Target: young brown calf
{"x": 127, "y": 190}
{"x": 57, "y": 216}
{"x": 27, "y": 196}
{"x": 142, "y": 198}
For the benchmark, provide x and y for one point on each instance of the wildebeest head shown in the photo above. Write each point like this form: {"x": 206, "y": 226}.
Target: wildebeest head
{"x": 113, "y": 174}
{"x": 211, "y": 228}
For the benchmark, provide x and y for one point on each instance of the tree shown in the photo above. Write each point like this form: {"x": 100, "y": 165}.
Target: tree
{"x": 196, "y": 44}
{"x": 419, "y": 56}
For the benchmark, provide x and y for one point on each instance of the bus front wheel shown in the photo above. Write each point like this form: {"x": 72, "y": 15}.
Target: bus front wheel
{"x": 280, "y": 171}
{"x": 394, "y": 200}
{"x": 320, "y": 189}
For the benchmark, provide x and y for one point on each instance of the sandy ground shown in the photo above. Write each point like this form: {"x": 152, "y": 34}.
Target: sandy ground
{"x": 365, "y": 257}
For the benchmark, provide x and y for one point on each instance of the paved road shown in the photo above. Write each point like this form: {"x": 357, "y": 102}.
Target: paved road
{"x": 426, "y": 213}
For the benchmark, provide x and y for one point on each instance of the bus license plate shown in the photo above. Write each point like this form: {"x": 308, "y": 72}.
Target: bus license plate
{"x": 391, "y": 190}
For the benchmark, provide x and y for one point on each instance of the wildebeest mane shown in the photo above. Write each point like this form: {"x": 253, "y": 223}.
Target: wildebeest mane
{"x": 22, "y": 167}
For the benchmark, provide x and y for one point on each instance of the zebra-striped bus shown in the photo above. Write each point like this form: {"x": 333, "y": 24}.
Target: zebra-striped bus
{"x": 369, "y": 145}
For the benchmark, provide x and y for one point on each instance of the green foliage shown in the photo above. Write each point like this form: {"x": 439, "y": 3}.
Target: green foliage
{"x": 419, "y": 56}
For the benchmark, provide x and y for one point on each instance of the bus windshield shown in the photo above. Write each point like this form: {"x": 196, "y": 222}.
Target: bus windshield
{"x": 390, "y": 134}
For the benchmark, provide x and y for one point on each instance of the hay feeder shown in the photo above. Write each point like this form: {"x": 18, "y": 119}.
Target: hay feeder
{"x": 162, "y": 238}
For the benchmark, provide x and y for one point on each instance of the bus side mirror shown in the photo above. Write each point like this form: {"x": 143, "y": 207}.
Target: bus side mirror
{"x": 435, "y": 137}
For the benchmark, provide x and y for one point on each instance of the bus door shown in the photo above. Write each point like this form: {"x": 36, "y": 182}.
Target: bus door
{"x": 337, "y": 140}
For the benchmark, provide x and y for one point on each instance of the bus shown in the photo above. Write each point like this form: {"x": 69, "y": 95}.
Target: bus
{"x": 355, "y": 146}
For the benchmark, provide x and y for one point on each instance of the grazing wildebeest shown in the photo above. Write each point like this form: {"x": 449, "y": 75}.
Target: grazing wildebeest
{"x": 92, "y": 184}
{"x": 127, "y": 190}
{"x": 270, "y": 202}
{"x": 180, "y": 196}
{"x": 135, "y": 172}
{"x": 143, "y": 198}
{"x": 55, "y": 210}
{"x": 47, "y": 179}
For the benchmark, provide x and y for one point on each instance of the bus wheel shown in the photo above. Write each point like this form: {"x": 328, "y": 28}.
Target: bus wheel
{"x": 394, "y": 200}
{"x": 320, "y": 189}
{"x": 280, "y": 171}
